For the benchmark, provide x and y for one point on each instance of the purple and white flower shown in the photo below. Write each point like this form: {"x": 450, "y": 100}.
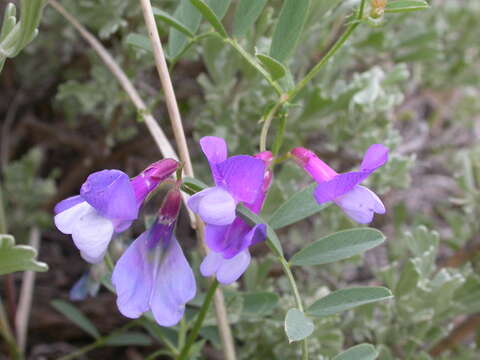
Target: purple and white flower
{"x": 358, "y": 202}
{"x": 153, "y": 273}
{"x": 108, "y": 203}
{"x": 240, "y": 178}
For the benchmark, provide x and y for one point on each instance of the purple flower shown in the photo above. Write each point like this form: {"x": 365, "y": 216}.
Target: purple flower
{"x": 358, "y": 202}
{"x": 153, "y": 273}
{"x": 240, "y": 178}
{"x": 108, "y": 202}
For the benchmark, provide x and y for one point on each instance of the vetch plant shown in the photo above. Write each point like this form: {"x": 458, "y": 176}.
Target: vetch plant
{"x": 153, "y": 279}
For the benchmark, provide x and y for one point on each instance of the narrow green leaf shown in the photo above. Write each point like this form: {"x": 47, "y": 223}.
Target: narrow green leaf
{"x": 289, "y": 28}
{"x": 406, "y": 5}
{"x": 246, "y": 14}
{"x": 191, "y": 185}
{"x": 170, "y": 20}
{"x": 210, "y": 15}
{"x": 75, "y": 316}
{"x": 18, "y": 257}
{"x": 297, "y": 325}
{"x": 259, "y": 303}
{"x": 358, "y": 352}
{"x": 129, "y": 339}
{"x": 219, "y": 7}
{"x": 188, "y": 15}
{"x": 275, "y": 68}
{"x": 253, "y": 219}
{"x": 408, "y": 279}
{"x": 345, "y": 299}
{"x": 139, "y": 41}
{"x": 338, "y": 246}
{"x": 300, "y": 206}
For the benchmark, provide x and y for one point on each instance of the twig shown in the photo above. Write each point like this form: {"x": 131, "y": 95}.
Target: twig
{"x": 167, "y": 86}
{"x": 176, "y": 121}
{"x": 458, "y": 334}
{"x": 26, "y": 294}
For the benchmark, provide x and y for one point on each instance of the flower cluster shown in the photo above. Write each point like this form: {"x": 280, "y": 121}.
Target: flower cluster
{"x": 153, "y": 273}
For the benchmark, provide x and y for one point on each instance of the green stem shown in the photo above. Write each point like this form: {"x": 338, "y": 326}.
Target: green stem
{"x": 3, "y": 220}
{"x": 198, "y": 323}
{"x": 251, "y": 60}
{"x": 333, "y": 50}
{"x": 302, "y": 83}
{"x": 101, "y": 341}
{"x": 277, "y": 144}
{"x": 109, "y": 262}
{"x": 298, "y": 300}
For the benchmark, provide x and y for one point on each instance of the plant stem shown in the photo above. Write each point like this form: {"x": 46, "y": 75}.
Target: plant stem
{"x": 26, "y": 296}
{"x": 333, "y": 50}
{"x": 310, "y": 75}
{"x": 298, "y": 299}
{"x": 109, "y": 262}
{"x": 241, "y": 51}
{"x": 171, "y": 100}
{"x": 198, "y": 323}
{"x": 101, "y": 341}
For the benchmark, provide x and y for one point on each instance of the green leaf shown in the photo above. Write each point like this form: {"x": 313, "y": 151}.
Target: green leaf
{"x": 406, "y": 5}
{"x": 129, "y": 339}
{"x": 253, "y": 219}
{"x": 75, "y": 316}
{"x": 139, "y": 41}
{"x": 409, "y": 279}
{"x": 289, "y": 28}
{"x": 210, "y": 15}
{"x": 219, "y": 7}
{"x": 338, "y": 246}
{"x": 300, "y": 206}
{"x": 358, "y": 352}
{"x": 346, "y": 299}
{"x": 17, "y": 257}
{"x": 246, "y": 14}
{"x": 191, "y": 185}
{"x": 297, "y": 325}
{"x": 275, "y": 68}
{"x": 188, "y": 15}
{"x": 259, "y": 303}
{"x": 170, "y": 20}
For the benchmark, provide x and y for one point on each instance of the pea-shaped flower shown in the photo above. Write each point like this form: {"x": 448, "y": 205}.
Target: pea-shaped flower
{"x": 153, "y": 273}
{"x": 108, "y": 203}
{"x": 358, "y": 202}
{"x": 240, "y": 178}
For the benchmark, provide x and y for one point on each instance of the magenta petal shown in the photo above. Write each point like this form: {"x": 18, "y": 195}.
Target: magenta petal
{"x": 242, "y": 176}
{"x": 132, "y": 279}
{"x": 111, "y": 194}
{"x": 375, "y": 156}
{"x": 360, "y": 204}
{"x": 214, "y": 205}
{"x": 341, "y": 184}
{"x": 68, "y": 203}
{"x": 173, "y": 286}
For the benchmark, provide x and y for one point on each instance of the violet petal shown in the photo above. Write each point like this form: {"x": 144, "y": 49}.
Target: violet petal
{"x": 360, "y": 204}
{"x": 67, "y": 203}
{"x": 214, "y": 205}
{"x": 173, "y": 286}
{"x": 132, "y": 279}
{"x": 215, "y": 150}
{"x": 111, "y": 194}
{"x": 375, "y": 156}
{"x": 242, "y": 176}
